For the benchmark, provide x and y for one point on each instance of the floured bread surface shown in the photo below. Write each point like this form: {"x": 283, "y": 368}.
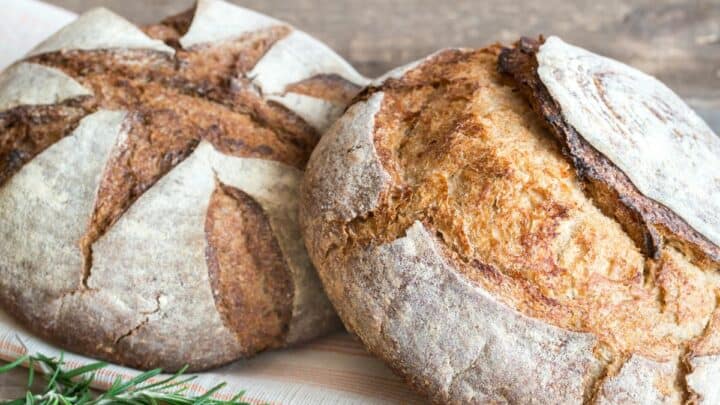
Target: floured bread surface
{"x": 644, "y": 156}
{"x": 642, "y": 127}
{"x": 29, "y": 83}
{"x": 149, "y": 186}
{"x": 476, "y": 259}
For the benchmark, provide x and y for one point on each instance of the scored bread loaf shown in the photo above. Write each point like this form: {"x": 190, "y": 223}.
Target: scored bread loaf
{"x": 536, "y": 224}
{"x": 149, "y": 180}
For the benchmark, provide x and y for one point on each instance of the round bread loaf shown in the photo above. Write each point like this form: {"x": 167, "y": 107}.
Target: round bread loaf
{"x": 544, "y": 233}
{"x": 149, "y": 180}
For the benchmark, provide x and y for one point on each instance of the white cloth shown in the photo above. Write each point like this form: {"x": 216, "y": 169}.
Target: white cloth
{"x": 25, "y": 24}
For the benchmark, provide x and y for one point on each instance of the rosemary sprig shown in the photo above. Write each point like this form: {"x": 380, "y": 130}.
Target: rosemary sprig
{"x": 72, "y": 386}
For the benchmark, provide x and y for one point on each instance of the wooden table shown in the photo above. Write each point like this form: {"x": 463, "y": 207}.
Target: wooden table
{"x": 678, "y": 41}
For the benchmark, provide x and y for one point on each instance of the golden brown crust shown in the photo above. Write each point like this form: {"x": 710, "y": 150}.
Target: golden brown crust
{"x": 468, "y": 160}
{"x": 649, "y": 223}
{"x": 249, "y": 277}
{"x": 456, "y": 150}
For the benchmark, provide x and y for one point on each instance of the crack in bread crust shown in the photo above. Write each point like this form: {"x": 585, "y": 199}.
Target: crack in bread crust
{"x": 470, "y": 160}
{"x": 148, "y": 318}
{"x": 649, "y": 223}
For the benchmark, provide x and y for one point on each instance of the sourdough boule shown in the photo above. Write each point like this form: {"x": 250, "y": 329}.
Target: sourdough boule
{"x": 536, "y": 229}
{"x": 149, "y": 181}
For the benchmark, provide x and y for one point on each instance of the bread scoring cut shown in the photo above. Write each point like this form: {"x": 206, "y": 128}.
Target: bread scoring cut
{"x": 168, "y": 224}
{"x": 284, "y": 64}
{"x": 179, "y": 242}
{"x": 650, "y": 223}
{"x": 464, "y": 158}
{"x": 668, "y": 152}
{"x": 32, "y": 84}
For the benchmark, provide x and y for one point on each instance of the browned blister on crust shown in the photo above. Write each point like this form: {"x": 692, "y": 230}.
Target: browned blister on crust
{"x": 648, "y": 222}
{"x": 473, "y": 248}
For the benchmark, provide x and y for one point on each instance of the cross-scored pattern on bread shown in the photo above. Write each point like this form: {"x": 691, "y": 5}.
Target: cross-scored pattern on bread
{"x": 148, "y": 183}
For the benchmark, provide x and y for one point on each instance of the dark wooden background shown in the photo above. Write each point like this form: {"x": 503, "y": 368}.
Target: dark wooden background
{"x": 676, "y": 40}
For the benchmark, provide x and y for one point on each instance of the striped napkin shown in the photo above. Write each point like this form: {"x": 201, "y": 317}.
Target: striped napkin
{"x": 331, "y": 370}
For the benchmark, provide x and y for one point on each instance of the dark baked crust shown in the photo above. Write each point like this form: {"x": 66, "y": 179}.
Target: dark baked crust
{"x": 26, "y": 131}
{"x": 649, "y": 223}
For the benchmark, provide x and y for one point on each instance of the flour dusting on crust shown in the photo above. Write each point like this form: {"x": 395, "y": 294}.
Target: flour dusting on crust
{"x": 447, "y": 332}
{"x": 356, "y": 177}
{"x": 641, "y": 381}
{"x": 32, "y": 84}
{"x": 703, "y": 379}
{"x": 218, "y": 20}
{"x": 668, "y": 152}
{"x": 53, "y": 192}
{"x": 297, "y": 57}
{"x": 100, "y": 29}
{"x": 320, "y": 114}
{"x": 167, "y": 224}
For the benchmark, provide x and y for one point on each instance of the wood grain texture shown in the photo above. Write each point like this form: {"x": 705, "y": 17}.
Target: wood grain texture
{"x": 14, "y": 384}
{"x": 676, "y": 40}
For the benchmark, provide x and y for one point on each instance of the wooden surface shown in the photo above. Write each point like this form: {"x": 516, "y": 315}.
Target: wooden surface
{"x": 678, "y": 41}
{"x": 12, "y": 384}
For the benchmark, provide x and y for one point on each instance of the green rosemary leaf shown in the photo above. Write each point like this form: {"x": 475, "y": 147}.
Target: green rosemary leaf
{"x": 169, "y": 379}
{"x": 139, "y": 379}
{"x": 31, "y": 372}
{"x": 85, "y": 369}
{"x": 16, "y": 363}
{"x": 210, "y": 392}
{"x": 55, "y": 367}
{"x": 73, "y": 386}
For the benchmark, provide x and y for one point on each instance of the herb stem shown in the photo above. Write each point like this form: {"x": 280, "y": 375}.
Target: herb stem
{"x": 73, "y": 386}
